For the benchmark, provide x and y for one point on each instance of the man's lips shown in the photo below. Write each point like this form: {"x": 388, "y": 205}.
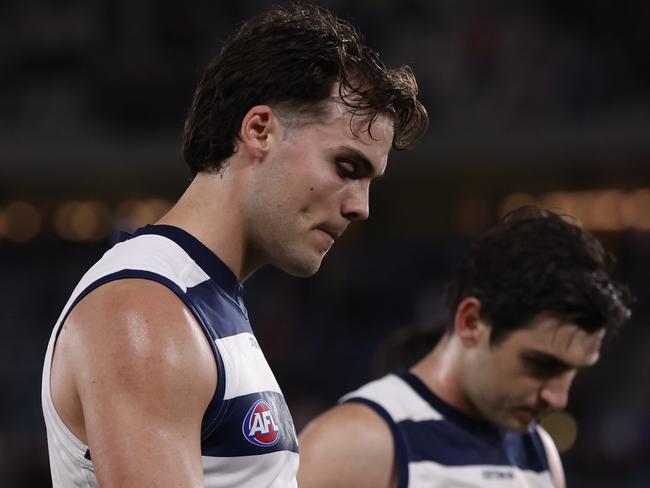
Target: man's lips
{"x": 334, "y": 234}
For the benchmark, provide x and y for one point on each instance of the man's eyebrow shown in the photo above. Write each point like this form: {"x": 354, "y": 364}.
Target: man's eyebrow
{"x": 548, "y": 361}
{"x": 360, "y": 159}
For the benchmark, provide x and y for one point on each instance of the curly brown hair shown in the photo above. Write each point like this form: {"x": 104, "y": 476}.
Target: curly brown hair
{"x": 291, "y": 57}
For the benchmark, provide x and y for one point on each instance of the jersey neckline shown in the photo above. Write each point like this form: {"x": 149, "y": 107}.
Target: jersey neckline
{"x": 200, "y": 253}
{"x": 475, "y": 425}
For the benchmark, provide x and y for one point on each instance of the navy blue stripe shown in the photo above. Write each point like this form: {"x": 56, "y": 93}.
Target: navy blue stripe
{"x": 214, "y": 411}
{"x": 231, "y": 440}
{"x": 526, "y": 450}
{"x": 450, "y": 444}
{"x": 218, "y": 310}
{"x": 479, "y": 427}
{"x": 201, "y": 254}
{"x": 401, "y": 448}
{"x": 461, "y": 440}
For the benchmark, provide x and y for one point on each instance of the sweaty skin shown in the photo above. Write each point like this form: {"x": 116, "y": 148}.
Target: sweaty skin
{"x": 132, "y": 375}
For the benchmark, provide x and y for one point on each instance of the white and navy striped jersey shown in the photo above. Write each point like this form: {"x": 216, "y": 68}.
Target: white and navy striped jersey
{"x": 438, "y": 446}
{"x": 248, "y": 439}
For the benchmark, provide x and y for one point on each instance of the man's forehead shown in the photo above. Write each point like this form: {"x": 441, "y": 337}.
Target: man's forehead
{"x": 368, "y": 126}
{"x": 352, "y": 108}
{"x": 370, "y": 138}
{"x": 565, "y": 341}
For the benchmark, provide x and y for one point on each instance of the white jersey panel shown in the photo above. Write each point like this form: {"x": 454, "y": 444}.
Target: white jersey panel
{"x": 68, "y": 466}
{"x": 274, "y": 470}
{"x": 428, "y": 474}
{"x": 397, "y": 398}
{"x": 246, "y": 367}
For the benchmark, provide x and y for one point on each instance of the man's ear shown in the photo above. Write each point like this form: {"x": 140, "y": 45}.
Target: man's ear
{"x": 468, "y": 324}
{"x": 258, "y": 128}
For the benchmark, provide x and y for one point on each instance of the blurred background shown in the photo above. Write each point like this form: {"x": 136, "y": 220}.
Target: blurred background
{"x": 530, "y": 101}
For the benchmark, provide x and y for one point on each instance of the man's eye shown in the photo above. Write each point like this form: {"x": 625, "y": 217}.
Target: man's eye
{"x": 536, "y": 368}
{"x": 544, "y": 369}
{"x": 345, "y": 169}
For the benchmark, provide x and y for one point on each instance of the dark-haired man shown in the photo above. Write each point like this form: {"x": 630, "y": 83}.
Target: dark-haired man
{"x": 528, "y": 309}
{"x": 153, "y": 376}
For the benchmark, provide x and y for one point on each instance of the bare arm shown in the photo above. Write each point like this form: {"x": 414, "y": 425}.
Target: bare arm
{"x": 142, "y": 373}
{"x": 553, "y": 457}
{"x": 348, "y": 446}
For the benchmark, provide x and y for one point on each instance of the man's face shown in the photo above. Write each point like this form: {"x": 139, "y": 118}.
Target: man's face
{"x": 530, "y": 372}
{"x": 313, "y": 183}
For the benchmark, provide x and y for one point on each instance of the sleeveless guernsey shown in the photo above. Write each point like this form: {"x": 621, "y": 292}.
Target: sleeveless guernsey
{"x": 248, "y": 439}
{"x": 438, "y": 446}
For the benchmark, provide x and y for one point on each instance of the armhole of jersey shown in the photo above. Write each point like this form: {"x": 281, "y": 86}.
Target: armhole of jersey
{"x": 401, "y": 457}
{"x": 215, "y": 406}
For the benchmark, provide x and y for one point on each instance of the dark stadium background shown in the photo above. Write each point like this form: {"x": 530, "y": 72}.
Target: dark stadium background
{"x": 530, "y": 102}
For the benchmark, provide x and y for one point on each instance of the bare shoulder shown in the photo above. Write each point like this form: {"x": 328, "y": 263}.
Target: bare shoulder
{"x": 132, "y": 376}
{"x": 349, "y": 445}
{"x": 140, "y": 329}
{"x": 553, "y": 458}
{"x": 132, "y": 342}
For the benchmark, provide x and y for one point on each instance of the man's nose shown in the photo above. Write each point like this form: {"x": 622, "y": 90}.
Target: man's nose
{"x": 356, "y": 204}
{"x": 555, "y": 391}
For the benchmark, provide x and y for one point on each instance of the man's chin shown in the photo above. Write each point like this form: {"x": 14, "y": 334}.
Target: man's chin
{"x": 302, "y": 269}
{"x": 522, "y": 427}
{"x": 522, "y": 420}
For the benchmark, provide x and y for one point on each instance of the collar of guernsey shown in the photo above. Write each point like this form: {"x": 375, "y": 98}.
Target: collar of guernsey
{"x": 204, "y": 257}
{"x": 477, "y": 426}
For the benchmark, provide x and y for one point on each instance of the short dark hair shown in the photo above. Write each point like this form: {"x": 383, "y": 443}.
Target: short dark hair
{"x": 290, "y": 57}
{"x": 536, "y": 262}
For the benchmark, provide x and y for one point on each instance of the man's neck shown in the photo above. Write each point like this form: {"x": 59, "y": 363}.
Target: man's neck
{"x": 209, "y": 209}
{"x": 440, "y": 372}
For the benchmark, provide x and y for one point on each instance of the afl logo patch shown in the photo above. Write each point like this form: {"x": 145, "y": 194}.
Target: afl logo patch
{"x": 259, "y": 426}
